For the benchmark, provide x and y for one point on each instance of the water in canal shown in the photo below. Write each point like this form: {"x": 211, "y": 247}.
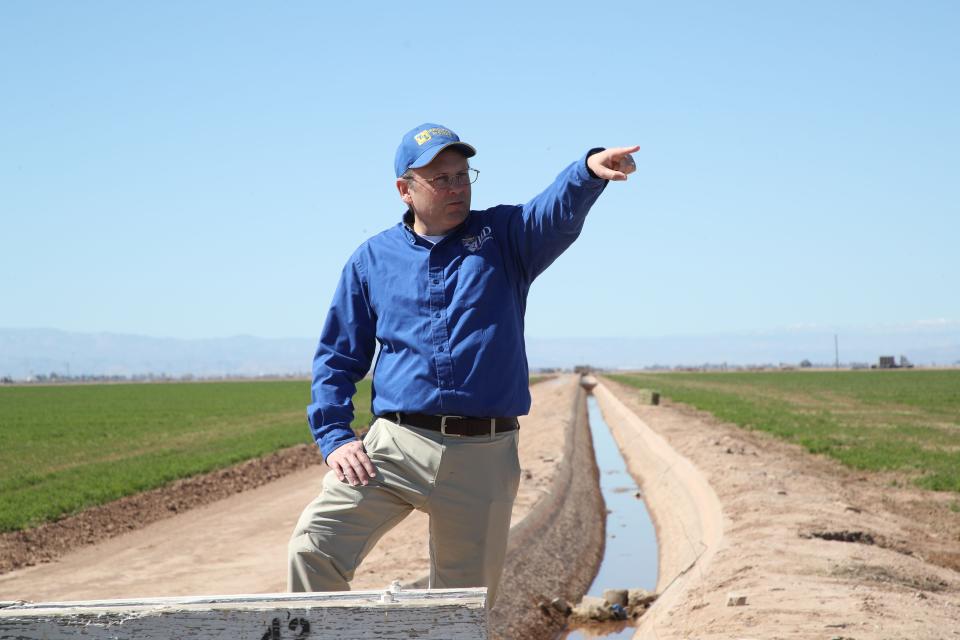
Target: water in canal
{"x": 630, "y": 556}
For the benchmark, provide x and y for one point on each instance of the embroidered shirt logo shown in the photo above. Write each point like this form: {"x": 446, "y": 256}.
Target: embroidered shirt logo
{"x": 473, "y": 243}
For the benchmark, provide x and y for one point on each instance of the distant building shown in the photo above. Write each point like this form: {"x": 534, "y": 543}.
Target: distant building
{"x": 887, "y": 362}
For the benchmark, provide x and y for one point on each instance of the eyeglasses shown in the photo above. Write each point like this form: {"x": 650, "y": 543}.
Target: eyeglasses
{"x": 445, "y": 182}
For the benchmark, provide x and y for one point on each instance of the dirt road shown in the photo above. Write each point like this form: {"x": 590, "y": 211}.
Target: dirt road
{"x": 238, "y": 544}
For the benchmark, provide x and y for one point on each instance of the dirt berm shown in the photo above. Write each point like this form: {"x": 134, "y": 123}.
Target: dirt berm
{"x": 556, "y": 549}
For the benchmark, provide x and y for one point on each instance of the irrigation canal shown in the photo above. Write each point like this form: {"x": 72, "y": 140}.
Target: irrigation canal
{"x": 630, "y": 552}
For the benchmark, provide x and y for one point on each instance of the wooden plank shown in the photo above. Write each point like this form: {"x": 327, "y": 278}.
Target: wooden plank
{"x": 435, "y": 614}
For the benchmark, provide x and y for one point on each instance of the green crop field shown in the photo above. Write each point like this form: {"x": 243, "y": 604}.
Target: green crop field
{"x": 906, "y": 421}
{"x": 64, "y": 448}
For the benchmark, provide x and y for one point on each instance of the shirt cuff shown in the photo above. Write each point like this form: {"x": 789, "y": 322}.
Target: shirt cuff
{"x": 334, "y": 440}
{"x": 588, "y": 173}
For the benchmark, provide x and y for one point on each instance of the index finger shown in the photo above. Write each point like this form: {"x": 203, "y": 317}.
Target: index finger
{"x": 622, "y": 151}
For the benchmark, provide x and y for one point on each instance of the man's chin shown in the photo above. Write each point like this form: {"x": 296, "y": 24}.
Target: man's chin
{"x": 457, "y": 213}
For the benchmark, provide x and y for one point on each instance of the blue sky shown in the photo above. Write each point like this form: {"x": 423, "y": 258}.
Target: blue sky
{"x": 204, "y": 169}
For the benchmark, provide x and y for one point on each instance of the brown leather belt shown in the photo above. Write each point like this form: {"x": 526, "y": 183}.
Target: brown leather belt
{"x": 455, "y": 425}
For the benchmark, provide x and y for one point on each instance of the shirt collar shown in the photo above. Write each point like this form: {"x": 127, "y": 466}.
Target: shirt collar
{"x": 413, "y": 235}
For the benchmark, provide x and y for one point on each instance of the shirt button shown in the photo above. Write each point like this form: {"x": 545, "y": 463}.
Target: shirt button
{"x": 440, "y": 348}
{"x": 435, "y": 281}
{"x": 436, "y": 315}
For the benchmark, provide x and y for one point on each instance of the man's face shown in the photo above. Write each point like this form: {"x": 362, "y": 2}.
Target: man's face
{"x": 438, "y": 209}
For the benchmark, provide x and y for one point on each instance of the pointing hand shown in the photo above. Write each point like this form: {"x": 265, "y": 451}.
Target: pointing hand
{"x": 613, "y": 164}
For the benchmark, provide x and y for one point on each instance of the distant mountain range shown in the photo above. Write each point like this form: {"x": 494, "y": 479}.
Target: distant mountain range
{"x": 26, "y": 353}
{"x": 933, "y": 345}
{"x": 30, "y": 352}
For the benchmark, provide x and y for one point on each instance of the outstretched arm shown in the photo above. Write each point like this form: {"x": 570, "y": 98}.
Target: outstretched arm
{"x": 551, "y": 221}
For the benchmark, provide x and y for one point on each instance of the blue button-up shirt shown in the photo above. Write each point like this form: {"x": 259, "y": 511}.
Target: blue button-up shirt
{"x": 448, "y": 317}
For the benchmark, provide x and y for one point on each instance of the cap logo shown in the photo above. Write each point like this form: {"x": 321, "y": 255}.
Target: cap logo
{"x": 427, "y": 134}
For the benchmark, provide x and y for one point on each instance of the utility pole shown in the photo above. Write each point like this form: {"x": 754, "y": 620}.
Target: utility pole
{"x": 836, "y": 352}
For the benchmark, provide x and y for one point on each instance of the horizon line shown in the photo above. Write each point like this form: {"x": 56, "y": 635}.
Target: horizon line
{"x": 812, "y": 328}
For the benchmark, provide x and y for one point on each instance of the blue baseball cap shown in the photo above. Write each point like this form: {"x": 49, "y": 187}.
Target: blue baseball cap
{"x": 421, "y": 145}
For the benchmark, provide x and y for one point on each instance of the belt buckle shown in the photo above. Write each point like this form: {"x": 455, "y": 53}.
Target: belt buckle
{"x": 443, "y": 427}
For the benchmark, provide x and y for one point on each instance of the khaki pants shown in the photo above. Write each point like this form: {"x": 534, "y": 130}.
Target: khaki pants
{"x": 466, "y": 484}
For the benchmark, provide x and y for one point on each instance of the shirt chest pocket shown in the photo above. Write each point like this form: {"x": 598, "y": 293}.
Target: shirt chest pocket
{"x": 399, "y": 301}
{"x": 481, "y": 281}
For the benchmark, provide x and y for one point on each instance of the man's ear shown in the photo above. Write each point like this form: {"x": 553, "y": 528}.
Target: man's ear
{"x": 403, "y": 187}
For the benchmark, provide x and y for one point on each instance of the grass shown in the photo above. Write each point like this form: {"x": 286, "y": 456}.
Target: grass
{"x": 904, "y": 421}
{"x": 65, "y": 448}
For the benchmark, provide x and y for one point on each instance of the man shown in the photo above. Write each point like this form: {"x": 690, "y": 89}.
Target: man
{"x": 443, "y": 293}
